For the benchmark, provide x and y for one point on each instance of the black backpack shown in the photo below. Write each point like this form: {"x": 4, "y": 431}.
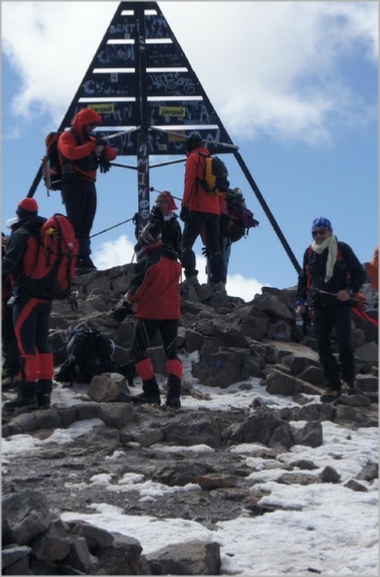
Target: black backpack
{"x": 51, "y": 167}
{"x": 239, "y": 219}
{"x": 90, "y": 353}
{"x": 52, "y": 170}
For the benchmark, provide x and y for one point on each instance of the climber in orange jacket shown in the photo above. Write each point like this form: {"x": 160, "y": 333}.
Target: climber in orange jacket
{"x": 81, "y": 153}
{"x": 200, "y": 210}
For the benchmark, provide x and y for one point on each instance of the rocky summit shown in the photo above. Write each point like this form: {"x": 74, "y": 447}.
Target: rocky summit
{"x": 223, "y": 343}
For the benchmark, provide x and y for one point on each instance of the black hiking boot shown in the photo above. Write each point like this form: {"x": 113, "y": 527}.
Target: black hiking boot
{"x": 173, "y": 398}
{"x": 330, "y": 395}
{"x": 44, "y": 388}
{"x": 150, "y": 394}
{"x": 84, "y": 265}
{"x": 350, "y": 388}
{"x": 10, "y": 381}
{"x": 44, "y": 401}
{"x": 26, "y": 398}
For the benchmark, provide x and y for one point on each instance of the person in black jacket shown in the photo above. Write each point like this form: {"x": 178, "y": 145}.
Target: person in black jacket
{"x": 162, "y": 215}
{"x": 31, "y": 314}
{"x": 330, "y": 276}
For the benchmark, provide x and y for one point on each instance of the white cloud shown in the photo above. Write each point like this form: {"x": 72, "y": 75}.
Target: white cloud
{"x": 114, "y": 253}
{"x": 272, "y": 67}
{"x": 120, "y": 252}
{"x": 51, "y": 45}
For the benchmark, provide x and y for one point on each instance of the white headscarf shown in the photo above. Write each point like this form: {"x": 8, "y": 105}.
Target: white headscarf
{"x": 331, "y": 244}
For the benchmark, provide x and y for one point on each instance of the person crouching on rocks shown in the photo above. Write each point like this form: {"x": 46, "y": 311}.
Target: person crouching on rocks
{"x": 154, "y": 295}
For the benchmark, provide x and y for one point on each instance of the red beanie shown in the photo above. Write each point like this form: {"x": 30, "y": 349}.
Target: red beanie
{"x": 27, "y": 207}
{"x": 167, "y": 196}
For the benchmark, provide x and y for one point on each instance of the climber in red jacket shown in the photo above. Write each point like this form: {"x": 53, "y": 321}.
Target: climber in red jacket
{"x": 154, "y": 294}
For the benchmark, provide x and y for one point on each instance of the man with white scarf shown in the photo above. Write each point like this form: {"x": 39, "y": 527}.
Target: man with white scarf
{"x": 330, "y": 276}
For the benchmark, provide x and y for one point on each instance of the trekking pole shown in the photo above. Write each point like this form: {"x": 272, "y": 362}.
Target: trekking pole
{"x": 334, "y": 295}
{"x": 119, "y": 133}
{"x": 152, "y": 189}
{"x": 111, "y": 227}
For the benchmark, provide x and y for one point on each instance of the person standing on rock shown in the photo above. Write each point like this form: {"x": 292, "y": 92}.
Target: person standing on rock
{"x": 31, "y": 314}
{"x": 330, "y": 276}
{"x": 154, "y": 295}
{"x": 81, "y": 153}
{"x": 200, "y": 210}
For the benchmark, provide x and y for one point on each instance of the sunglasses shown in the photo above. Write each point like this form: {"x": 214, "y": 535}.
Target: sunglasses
{"x": 319, "y": 231}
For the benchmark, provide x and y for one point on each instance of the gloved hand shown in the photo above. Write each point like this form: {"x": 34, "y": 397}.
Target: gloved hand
{"x": 104, "y": 164}
{"x": 101, "y": 141}
{"x": 184, "y": 214}
{"x": 205, "y": 252}
{"x": 156, "y": 213}
{"x": 121, "y": 313}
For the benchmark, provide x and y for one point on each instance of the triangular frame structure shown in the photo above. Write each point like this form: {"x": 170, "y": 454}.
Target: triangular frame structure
{"x": 151, "y": 100}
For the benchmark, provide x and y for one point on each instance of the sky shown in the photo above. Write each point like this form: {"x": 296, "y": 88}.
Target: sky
{"x": 327, "y": 528}
{"x": 294, "y": 83}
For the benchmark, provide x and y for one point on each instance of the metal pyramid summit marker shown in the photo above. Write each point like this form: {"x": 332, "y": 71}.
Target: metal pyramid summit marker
{"x": 150, "y": 99}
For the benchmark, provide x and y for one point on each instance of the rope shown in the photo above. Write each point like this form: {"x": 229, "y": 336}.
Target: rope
{"x": 111, "y": 227}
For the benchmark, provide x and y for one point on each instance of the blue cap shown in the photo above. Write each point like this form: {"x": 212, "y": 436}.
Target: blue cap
{"x": 321, "y": 222}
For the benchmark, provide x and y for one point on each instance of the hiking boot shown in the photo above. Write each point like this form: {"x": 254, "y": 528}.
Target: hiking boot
{"x": 87, "y": 263}
{"x": 44, "y": 388}
{"x": 84, "y": 265}
{"x": 82, "y": 270}
{"x": 5, "y": 373}
{"x": 192, "y": 280}
{"x": 145, "y": 398}
{"x": 150, "y": 394}
{"x": 173, "y": 401}
{"x": 203, "y": 292}
{"x": 173, "y": 398}
{"x": 330, "y": 395}
{"x": 219, "y": 287}
{"x": 26, "y": 397}
{"x": 43, "y": 401}
{"x": 10, "y": 381}
{"x": 350, "y": 388}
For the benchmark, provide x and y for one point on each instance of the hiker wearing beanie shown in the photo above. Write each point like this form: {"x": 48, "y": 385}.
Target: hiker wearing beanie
{"x": 86, "y": 153}
{"x": 31, "y": 315}
{"x": 330, "y": 276}
{"x": 200, "y": 210}
{"x": 154, "y": 295}
{"x": 163, "y": 215}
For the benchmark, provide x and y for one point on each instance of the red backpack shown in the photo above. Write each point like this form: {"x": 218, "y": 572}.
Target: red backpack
{"x": 50, "y": 267}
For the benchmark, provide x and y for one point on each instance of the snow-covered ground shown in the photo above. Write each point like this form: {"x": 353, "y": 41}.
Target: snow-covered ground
{"x": 321, "y": 528}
